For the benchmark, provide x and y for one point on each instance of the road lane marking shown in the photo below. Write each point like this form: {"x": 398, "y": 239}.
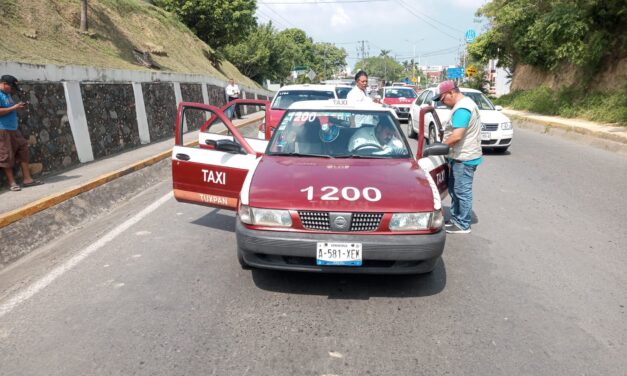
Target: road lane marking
{"x": 71, "y": 263}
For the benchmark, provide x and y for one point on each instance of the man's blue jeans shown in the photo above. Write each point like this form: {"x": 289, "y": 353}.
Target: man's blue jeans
{"x": 460, "y": 189}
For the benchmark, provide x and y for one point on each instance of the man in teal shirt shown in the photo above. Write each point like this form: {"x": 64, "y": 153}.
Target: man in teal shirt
{"x": 462, "y": 133}
{"x": 13, "y": 146}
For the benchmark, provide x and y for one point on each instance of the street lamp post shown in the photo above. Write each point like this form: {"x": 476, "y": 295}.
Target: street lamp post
{"x": 413, "y": 59}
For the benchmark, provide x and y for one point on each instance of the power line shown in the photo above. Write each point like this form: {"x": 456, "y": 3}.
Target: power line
{"x": 272, "y": 19}
{"x": 441, "y": 23}
{"x": 423, "y": 19}
{"x": 281, "y": 17}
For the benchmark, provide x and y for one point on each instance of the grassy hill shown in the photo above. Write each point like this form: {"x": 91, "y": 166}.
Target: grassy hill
{"x": 47, "y": 32}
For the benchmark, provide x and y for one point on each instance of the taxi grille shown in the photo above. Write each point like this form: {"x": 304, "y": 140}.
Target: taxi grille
{"x": 319, "y": 220}
{"x": 489, "y": 127}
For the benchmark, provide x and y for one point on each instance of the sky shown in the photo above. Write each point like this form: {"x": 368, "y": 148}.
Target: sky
{"x": 432, "y": 31}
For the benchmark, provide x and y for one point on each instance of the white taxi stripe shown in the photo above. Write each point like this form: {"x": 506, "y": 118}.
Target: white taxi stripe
{"x": 430, "y": 163}
{"x": 245, "y": 192}
{"x": 215, "y": 157}
{"x": 437, "y": 201}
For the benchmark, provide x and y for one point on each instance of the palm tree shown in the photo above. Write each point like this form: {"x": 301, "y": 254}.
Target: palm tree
{"x": 384, "y": 53}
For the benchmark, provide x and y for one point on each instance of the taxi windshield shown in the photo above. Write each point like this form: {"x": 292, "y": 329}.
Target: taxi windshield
{"x": 285, "y": 98}
{"x": 339, "y": 134}
{"x": 481, "y": 100}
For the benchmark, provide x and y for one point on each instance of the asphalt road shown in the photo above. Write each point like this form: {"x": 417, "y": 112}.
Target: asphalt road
{"x": 538, "y": 288}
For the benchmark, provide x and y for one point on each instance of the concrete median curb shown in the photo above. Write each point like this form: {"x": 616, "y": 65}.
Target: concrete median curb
{"x": 57, "y": 198}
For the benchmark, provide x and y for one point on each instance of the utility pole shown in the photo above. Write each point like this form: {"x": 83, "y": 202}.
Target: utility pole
{"x": 362, "y": 50}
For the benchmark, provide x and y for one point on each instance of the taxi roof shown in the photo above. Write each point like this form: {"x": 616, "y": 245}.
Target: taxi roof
{"x": 338, "y": 104}
{"x": 317, "y": 87}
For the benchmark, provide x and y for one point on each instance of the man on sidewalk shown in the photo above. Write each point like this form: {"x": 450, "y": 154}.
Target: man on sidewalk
{"x": 232, "y": 93}
{"x": 13, "y": 146}
{"x": 462, "y": 133}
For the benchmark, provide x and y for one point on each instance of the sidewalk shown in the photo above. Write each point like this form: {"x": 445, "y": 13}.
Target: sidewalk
{"x": 62, "y": 187}
{"x": 616, "y": 135}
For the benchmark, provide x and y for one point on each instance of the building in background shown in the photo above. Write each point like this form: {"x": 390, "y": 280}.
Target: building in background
{"x": 500, "y": 79}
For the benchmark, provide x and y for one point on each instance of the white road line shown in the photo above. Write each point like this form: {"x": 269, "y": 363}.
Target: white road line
{"x": 33, "y": 289}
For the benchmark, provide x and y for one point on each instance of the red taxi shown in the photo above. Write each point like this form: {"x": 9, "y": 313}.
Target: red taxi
{"x": 401, "y": 98}
{"x": 336, "y": 188}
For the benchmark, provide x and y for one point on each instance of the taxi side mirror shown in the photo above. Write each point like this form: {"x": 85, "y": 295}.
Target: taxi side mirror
{"x": 437, "y": 148}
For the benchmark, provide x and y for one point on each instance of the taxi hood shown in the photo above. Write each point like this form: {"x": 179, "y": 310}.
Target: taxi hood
{"x": 286, "y": 182}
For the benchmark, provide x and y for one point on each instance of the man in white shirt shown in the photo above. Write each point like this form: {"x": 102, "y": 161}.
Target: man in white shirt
{"x": 358, "y": 95}
{"x": 232, "y": 92}
{"x": 358, "y": 92}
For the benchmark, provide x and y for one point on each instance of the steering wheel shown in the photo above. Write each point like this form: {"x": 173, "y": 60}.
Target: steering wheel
{"x": 368, "y": 145}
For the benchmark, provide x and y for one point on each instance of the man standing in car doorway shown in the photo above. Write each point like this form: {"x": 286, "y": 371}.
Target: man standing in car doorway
{"x": 462, "y": 133}
{"x": 232, "y": 93}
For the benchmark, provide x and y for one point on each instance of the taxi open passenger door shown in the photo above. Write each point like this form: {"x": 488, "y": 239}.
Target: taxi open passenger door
{"x": 211, "y": 169}
{"x": 432, "y": 158}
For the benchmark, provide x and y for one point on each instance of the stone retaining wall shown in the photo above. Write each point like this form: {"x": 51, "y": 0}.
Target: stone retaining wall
{"x": 69, "y": 120}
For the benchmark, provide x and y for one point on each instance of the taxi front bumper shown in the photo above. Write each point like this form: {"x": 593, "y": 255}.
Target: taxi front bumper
{"x": 381, "y": 254}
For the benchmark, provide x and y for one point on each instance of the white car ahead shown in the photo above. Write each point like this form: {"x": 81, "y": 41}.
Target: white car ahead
{"x": 496, "y": 128}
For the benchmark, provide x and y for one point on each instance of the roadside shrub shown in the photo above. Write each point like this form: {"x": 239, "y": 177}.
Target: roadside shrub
{"x": 571, "y": 102}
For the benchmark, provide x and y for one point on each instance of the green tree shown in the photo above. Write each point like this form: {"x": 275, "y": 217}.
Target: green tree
{"x": 217, "y": 22}
{"x": 384, "y": 67}
{"x": 327, "y": 60}
{"x": 252, "y": 56}
{"x": 548, "y": 33}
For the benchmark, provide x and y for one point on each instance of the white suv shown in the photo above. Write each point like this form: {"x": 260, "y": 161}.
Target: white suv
{"x": 496, "y": 128}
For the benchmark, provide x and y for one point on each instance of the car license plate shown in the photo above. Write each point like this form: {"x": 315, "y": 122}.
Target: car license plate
{"x": 343, "y": 254}
{"x": 485, "y": 136}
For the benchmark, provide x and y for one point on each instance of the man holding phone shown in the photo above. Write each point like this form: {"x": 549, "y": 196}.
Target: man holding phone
{"x": 13, "y": 146}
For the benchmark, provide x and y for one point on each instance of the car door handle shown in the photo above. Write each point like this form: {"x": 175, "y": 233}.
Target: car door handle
{"x": 182, "y": 156}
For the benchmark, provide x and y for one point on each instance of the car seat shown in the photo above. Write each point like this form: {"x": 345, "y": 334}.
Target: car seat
{"x": 308, "y": 141}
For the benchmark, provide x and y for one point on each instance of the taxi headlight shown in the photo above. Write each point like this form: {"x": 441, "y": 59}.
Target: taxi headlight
{"x": 265, "y": 217}
{"x": 507, "y": 126}
{"x": 416, "y": 221}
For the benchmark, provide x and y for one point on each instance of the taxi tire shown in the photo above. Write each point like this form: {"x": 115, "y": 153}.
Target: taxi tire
{"x": 432, "y": 134}
{"x": 240, "y": 259}
{"x": 410, "y": 129}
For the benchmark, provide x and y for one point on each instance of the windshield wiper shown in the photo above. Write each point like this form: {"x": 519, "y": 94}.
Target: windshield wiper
{"x": 295, "y": 154}
{"x": 360, "y": 156}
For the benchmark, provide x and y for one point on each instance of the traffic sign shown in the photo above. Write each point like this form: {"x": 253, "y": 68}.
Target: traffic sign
{"x": 455, "y": 73}
{"x": 471, "y": 71}
{"x": 470, "y": 35}
{"x": 413, "y": 79}
{"x": 311, "y": 75}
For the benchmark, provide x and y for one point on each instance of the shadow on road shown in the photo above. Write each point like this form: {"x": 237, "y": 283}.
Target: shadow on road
{"x": 218, "y": 219}
{"x": 352, "y": 286}
{"x": 447, "y": 215}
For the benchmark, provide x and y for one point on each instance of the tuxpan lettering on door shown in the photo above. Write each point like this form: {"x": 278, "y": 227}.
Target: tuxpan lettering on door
{"x": 215, "y": 177}
{"x": 216, "y": 200}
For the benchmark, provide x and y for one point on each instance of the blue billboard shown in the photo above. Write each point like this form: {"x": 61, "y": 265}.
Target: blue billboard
{"x": 455, "y": 73}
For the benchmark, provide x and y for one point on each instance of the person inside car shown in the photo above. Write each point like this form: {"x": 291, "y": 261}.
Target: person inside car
{"x": 380, "y": 140}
